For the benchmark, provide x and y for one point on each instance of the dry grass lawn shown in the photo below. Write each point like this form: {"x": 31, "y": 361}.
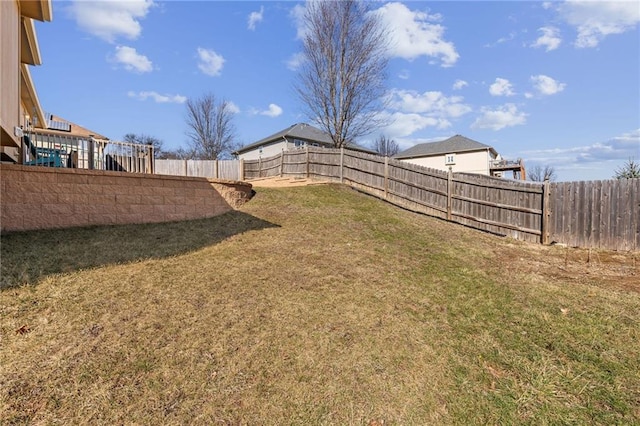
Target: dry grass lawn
{"x": 314, "y": 305}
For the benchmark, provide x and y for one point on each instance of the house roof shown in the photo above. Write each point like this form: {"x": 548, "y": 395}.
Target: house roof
{"x": 298, "y": 131}
{"x": 59, "y": 126}
{"x": 455, "y": 144}
{"x": 302, "y": 131}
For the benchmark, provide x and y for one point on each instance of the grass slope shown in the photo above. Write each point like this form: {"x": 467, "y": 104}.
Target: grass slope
{"x": 314, "y": 305}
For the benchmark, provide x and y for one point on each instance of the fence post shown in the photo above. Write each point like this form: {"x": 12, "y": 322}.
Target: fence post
{"x": 341, "y": 164}
{"x": 217, "y": 169}
{"x": 150, "y": 166}
{"x": 307, "y": 152}
{"x": 449, "y": 191}
{"x": 544, "y": 220}
{"x": 185, "y": 167}
{"x": 241, "y": 169}
{"x": 92, "y": 143}
{"x": 386, "y": 176}
{"x": 259, "y": 167}
{"x": 281, "y": 163}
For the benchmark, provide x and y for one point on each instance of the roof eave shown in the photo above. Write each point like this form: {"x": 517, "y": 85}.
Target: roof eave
{"x": 29, "y": 97}
{"x": 36, "y": 9}
{"x": 29, "y": 50}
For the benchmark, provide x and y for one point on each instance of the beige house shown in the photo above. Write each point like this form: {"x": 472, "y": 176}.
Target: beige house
{"x": 461, "y": 154}
{"x": 19, "y": 104}
{"x": 294, "y": 137}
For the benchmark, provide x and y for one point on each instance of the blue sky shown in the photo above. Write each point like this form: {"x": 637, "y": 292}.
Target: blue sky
{"x": 554, "y": 83}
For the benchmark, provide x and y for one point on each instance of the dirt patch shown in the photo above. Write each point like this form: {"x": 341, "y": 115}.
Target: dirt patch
{"x": 603, "y": 268}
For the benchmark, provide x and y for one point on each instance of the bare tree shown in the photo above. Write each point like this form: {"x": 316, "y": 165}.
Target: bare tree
{"x": 540, "y": 174}
{"x": 143, "y": 139}
{"x": 211, "y": 131}
{"x": 342, "y": 77}
{"x": 178, "y": 154}
{"x": 629, "y": 170}
{"x": 385, "y": 146}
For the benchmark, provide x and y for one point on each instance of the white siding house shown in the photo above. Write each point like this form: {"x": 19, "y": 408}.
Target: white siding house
{"x": 295, "y": 137}
{"x": 461, "y": 154}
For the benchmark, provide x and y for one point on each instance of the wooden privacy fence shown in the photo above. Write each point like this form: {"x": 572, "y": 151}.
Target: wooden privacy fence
{"x": 601, "y": 214}
{"x": 217, "y": 169}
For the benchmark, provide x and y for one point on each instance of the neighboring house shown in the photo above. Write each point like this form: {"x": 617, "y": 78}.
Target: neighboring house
{"x": 297, "y": 136}
{"x": 461, "y": 154}
{"x": 19, "y": 104}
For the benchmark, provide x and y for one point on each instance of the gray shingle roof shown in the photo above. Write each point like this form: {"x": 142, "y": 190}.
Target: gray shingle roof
{"x": 454, "y": 144}
{"x": 302, "y": 131}
{"x": 298, "y": 131}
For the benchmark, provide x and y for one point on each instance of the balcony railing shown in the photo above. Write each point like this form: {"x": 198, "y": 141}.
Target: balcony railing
{"x": 55, "y": 150}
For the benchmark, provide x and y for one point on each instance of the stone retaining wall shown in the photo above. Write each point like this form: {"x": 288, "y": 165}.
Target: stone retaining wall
{"x": 41, "y": 197}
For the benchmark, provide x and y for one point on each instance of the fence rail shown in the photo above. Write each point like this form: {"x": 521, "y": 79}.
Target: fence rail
{"x": 600, "y": 214}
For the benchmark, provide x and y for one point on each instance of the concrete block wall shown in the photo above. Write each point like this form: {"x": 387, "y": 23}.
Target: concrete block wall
{"x": 41, "y": 197}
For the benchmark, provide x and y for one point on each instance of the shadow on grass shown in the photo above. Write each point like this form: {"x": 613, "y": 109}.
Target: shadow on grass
{"x": 25, "y": 257}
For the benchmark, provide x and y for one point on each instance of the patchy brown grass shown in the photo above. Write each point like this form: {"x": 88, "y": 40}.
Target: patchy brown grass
{"x": 314, "y": 305}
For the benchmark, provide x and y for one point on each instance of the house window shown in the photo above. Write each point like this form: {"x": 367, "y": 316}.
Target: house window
{"x": 449, "y": 159}
{"x": 298, "y": 143}
{"x": 260, "y": 150}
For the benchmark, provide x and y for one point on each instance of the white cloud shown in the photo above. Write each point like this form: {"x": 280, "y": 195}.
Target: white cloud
{"x": 595, "y": 20}
{"x": 233, "y": 108}
{"x": 410, "y": 111}
{"x": 273, "y": 111}
{"x": 512, "y": 35}
{"x": 620, "y": 148}
{"x": 297, "y": 15}
{"x": 157, "y": 97}
{"x": 254, "y": 18}
{"x": 546, "y": 85}
{"x": 295, "y": 61}
{"x": 434, "y": 104}
{"x": 406, "y": 143}
{"x": 406, "y": 124}
{"x": 131, "y": 59}
{"x": 210, "y": 62}
{"x": 111, "y": 19}
{"x": 404, "y": 74}
{"x": 459, "y": 84}
{"x": 504, "y": 116}
{"x": 501, "y": 87}
{"x": 414, "y": 34}
{"x": 550, "y": 38}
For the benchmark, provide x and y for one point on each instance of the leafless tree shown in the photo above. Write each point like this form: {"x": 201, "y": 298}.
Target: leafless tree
{"x": 178, "y": 154}
{"x": 210, "y": 125}
{"x": 386, "y": 146}
{"x": 342, "y": 77}
{"x": 540, "y": 174}
{"x": 143, "y": 139}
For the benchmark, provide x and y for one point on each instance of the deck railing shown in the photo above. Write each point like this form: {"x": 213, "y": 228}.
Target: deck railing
{"x": 56, "y": 150}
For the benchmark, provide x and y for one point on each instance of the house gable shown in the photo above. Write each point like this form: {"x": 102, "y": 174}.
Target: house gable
{"x": 454, "y": 145}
